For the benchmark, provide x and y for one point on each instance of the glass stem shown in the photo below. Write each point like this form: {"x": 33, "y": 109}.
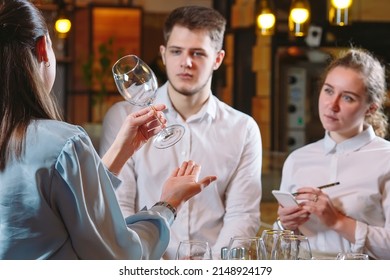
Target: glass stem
{"x": 163, "y": 131}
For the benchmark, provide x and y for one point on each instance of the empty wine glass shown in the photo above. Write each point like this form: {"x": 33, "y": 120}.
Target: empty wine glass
{"x": 293, "y": 247}
{"x": 193, "y": 250}
{"x": 352, "y": 256}
{"x": 270, "y": 238}
{"x": 138, "y": 85}
{"x": 246, "y": 248}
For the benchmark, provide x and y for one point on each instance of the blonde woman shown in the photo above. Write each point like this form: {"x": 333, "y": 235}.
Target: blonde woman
{"x": 353, "y": 216}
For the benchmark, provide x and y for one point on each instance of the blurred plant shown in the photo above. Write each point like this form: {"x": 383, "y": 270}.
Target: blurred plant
{"x": 97, "y": 73}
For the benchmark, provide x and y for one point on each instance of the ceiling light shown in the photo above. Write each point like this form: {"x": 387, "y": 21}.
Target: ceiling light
{"x": 339, "y": 12}
{"x": 299, "y": 18}
{"x": 266, "y": 19}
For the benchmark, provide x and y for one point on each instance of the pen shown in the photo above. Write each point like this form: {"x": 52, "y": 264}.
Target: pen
{"x": 322, "y": 187}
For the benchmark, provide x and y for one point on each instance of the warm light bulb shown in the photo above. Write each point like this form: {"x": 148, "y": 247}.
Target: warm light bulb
{"x": 299, "y": 15}
{"x": 63, "y": 25}
{"x": 266, "y": 20}
{"x": 339, "y": 12}
{"x": 341, "y": 4}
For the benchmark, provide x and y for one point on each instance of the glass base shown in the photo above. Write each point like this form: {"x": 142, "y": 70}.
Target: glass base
{"x": 169, "y": 136}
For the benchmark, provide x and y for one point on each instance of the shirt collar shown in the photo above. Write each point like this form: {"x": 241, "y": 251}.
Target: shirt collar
{"x": 208, "y": 109}
{"x": 163, "y": 98}
{"x": 351, "y": 144}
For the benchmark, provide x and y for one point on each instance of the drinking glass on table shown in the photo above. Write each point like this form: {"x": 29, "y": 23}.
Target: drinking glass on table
{"x": 293, "y": 247}
{"x": 193, "y": 250}
{"x": 270, "y": 238}
{"x": 352, "y": 256}
{"x": 246, "y": 248}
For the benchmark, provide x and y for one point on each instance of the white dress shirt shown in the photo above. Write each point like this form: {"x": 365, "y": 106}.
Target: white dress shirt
{"x": 362, "y": 166}
{"x": 226, "y": 143}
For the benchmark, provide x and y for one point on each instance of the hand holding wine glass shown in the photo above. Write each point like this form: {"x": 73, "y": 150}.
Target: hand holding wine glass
{"x": 135, "y": 131}
{"x": 138, "y": 85}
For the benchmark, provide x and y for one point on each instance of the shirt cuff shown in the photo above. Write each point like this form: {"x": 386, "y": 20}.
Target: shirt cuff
{"x": 361, "y": 232}
{"x": 115, "y": 180}
{"x": 165, "y": 212}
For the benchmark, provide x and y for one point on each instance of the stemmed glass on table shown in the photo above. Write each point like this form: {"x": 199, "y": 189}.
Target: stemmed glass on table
{"x": 138, "y": 84}
{"x": 246, "y": 248}
{"x": 352, "y": 256}
{"x": 293, "y": 247}
{"x": 270, "y": 238}
{"x": 193, "y": 250}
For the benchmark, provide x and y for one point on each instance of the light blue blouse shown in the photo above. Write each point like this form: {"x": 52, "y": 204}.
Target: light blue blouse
{"x": 58, "y": 202}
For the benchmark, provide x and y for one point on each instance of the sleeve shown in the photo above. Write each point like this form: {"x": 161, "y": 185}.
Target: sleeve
{"x": 375, "y": 240}
{"x": 126, "y": 192}
{"x": 243, "y": 196}
{"x": 86, "y": 201}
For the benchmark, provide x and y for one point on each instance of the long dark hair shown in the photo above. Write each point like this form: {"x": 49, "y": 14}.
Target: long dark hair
{"x": 23, "y": 95}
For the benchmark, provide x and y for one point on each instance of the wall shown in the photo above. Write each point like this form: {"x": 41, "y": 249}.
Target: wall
{"x": 371, "y": 10}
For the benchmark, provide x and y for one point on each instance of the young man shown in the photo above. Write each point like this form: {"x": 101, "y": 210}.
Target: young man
{"x": 224, "y": 141}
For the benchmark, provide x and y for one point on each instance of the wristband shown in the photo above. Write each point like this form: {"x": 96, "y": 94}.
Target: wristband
{"x": 169, "y": 206}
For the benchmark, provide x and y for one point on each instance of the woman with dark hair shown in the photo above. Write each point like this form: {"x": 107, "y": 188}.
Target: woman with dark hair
{"x": 353, "y": 216}
{"x": 57, "y": 197}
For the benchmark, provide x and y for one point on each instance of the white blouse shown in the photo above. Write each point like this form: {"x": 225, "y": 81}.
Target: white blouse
{"x": 362, "y": 166}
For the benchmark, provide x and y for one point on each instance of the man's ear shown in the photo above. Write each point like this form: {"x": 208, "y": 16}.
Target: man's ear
{"x": 162, "y": 52}
{"x": 219, "y": 59}
{"x": 41, "y": 49}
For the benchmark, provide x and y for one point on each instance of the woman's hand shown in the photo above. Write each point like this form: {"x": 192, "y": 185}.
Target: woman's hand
{"x": 318, "y": 203}
{"x": 183, "y": 184}
{"x": 292, "y": 217}
{"x": 135, "y": 131}
{"x": 140, "y": 126}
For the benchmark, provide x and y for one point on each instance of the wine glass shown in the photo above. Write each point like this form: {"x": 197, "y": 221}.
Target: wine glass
{"x": 293, "y": 247}
{"x": 351, "y": 256}
{"x": 193, "y": 250}
{"x": 138, "y": 85}
{"x": 246, "y": 248}
{"x": 270, "y": 238}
